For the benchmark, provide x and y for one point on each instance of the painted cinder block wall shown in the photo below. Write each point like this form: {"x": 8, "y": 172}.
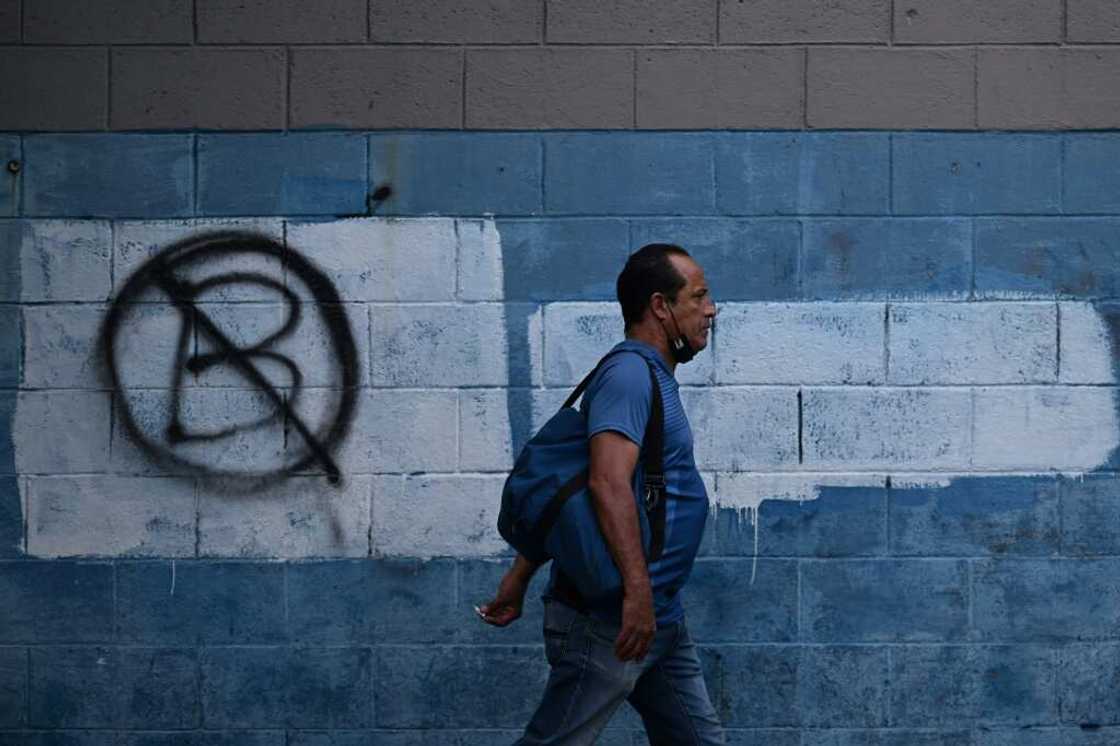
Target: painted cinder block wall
{"x": 909, "y": 212}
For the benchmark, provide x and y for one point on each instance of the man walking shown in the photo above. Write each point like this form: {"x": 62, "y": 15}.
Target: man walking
{"x": 637, "y": 647}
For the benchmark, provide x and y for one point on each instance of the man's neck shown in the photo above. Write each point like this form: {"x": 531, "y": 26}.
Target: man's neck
{"x": 656, "y": 339}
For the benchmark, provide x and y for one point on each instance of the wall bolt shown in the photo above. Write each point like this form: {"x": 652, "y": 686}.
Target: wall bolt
{"x": 14, "y": 166}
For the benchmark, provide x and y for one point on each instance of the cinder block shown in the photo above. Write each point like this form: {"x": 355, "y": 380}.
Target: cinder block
{"x": 955, "y": 174}
{"x": 319, "y": 173}
{"x": 61, "y": 432}
{"x": 801, "y": 343}
{"x": 965, "y": 516}
{"x": 301, "y": 517}
{"x": 1040, "y": 736}
{"x": 135, "y": 242}
{"x": 641, "y": 174}
{"x": 7, "y": 442}
{"x": 495, "y": 424}
{"x": 406, "y": 699}
{"x": 577, "y": 335}
{"x": 478, "y": 583}
{"x": 1044, "y": 257}
{"x": 1088, "y": 184}
{"x": 549, "y": 88}
{"x": 479, "y": 247}
{"x": 757, "y": 684}
{"x": 58, "y": 260}
{"x": 724, "y": 88}
{"x": 1089, "y": 21}
{"x": 107, "y": 22}
{"x": 273, "y": 687}
{"x": 11, "y": 23}
{"x": 193, "y": 88}
{"x": 11, "y": 351}
{"x": 457, "y": 173}
{"x": 724, "y": 247}
{"x": 399, "y": 432}
{"x": 743, "y": 428}
{"x": 381, "y": 260}
{"x": 890, "y": 89}
{"x": 1090, "y": 504}
{"x": 457, "y": 22}
{"x": 11, "y": 149}
{"x": 1056, "y": 600}
{"x": 108, "y": 175}
{"x": 12, "y": 491}
{"x": 13, "y": 687}
{"x": 1087, "y": 677}
{"x": 200, "y": 603}
{"x": 1044, "y": 428}
{"x": 764, "y": 173}
{"x": 773, "y": 21}
{"x": 60, "y": 346}
{"x": 963, "y": 22}
{"x": 886, "y": 427}
{"x": 212, "y": 738}
{"x": 844, "y": 686}
{"x": 455, "y": 345}
{"x": 376, "y": 88}
{"x": 403, "y": 591}
{"x": 738, "y": 601}
{"x": 884, "y": 600}
{"x": 437, "y": 516}
{"x": 263, "y": 22}
{"x": 92, "y": 687}
{"x": 110, "y": 516}
{"x": 854, "y": 259}
{"x": 899, "y": 737}
{"x": 805, "y": 515}
{"x": 955, "y": 343}
{"x": 631, "y": 22}
{"x": 53, "y": 88}
{"x": 56, "y": 602}
{"x": 328, "y": 602}
{"x": 949, "y": 686}
{"x": 1048, "y": 88}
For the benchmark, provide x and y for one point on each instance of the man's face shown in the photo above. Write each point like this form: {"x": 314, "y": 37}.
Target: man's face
{"x": 694, "y": 309}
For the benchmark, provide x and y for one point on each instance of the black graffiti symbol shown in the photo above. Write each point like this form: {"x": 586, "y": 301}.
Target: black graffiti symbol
{"x": 168, "y": 271}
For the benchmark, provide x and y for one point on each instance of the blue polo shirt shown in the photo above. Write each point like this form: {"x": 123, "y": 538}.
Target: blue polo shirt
{"x": 619, "y": 398}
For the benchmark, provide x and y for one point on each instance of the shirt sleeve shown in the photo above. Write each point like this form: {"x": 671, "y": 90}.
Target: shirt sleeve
{"x": 619, "y": 398}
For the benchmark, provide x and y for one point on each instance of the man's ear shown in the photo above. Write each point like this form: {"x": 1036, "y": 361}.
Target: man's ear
{"x": 658, "y": 306}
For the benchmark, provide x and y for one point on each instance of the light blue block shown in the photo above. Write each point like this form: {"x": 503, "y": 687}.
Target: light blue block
{"x": 282, "y": 174}
{"x": 10, "y": 151}
{"x": 1087, "y": 676}
{"x": 1047, "y": 257}
{"x": 1091, "y": 176}
{"x": 771, "y": 173}
{"x": 748, "y": 260}
{"x": 555, "y": 260}
{"x": 456, "y": 173}
{"x": 855, "y": 258}
{"x": 629, "y": 174}
{"x": 754, "y": 686}
{"x": 976, "y": 174}
{"x": 738, "y": 600}
{"x": 843, "y": 686}
{"x": 110, "y": 175}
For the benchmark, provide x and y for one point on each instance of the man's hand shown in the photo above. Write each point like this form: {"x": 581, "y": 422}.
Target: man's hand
{"x": 638, "y": 624}
{"x": 505, "y": 607}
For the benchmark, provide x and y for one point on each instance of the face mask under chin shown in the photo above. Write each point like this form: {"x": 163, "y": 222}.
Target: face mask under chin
{"x": 679, "y": 346}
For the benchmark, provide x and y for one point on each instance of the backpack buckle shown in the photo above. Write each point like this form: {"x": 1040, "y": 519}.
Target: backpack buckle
{"x": 655, "y": 490}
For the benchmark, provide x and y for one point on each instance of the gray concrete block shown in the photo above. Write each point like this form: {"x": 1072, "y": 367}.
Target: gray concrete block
{"x": 969, "y": 22}
{"x": 1086, "y": 343}
{"x": 10, "y": 21}
{"x": 549, "y": 88}
{"x": 456, "y": 21}
{"x": 271, "y": 22}
{"x": 146, "y": 346}
{"x": 970, "y": 343}
{"x": 891, "y": 88}
{"x": 878, "y": 428}
{"x": 301, "y": 517}
{"x": 61, "y": 432}
{"x": 485, "y": 429}
{"x": 1048, "y": 88}
{"x": 480, "y": 271}
{"x": 374, "y": 259}
{"x": 110, "y": 516}
{"x": 376, "y": 88}
{"x": 783, "y": 343}
{"x": 725, "y": 88}
{"x": 736, "y": 429}
{"x": 1089, "y": 21}
{"x": 60, "y": 346}
{"x": 631, "y": 22}
{"x": 198, "y": 88}
{"x": 58, "y": 260}
{"x": 437, "y": 516}
{"x": 107, "y": 22}
{"x": 770, "y": 21}
{"x": 45, "y": 88}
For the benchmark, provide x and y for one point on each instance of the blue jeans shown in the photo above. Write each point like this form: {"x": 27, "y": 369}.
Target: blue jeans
{"x": 588, "y": 683}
